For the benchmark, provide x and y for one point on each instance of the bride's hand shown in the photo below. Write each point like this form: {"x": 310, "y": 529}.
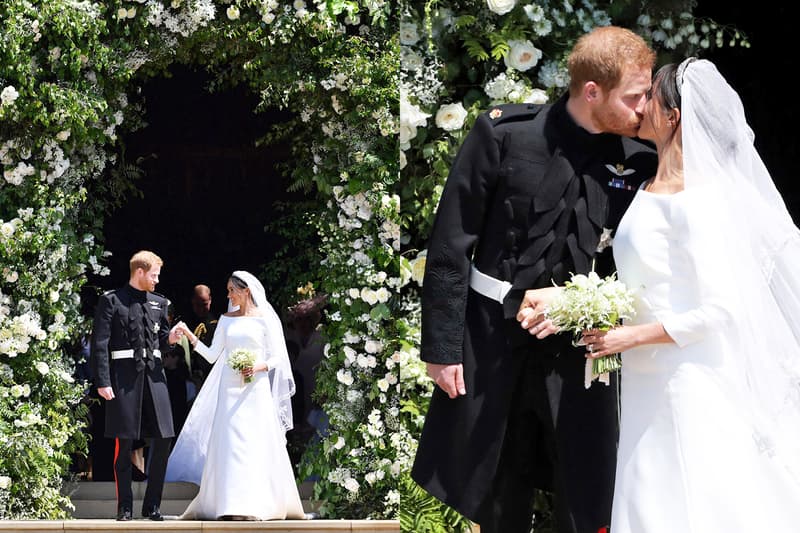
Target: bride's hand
{"x": 602, "y": 343}
{"x": 251, "y": 371}
{"x": 531, "y": 313}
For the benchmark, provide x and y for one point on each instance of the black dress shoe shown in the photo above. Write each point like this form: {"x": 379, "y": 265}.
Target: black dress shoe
{"x": 123, "y": 515}
{"x": 153, "y": 514}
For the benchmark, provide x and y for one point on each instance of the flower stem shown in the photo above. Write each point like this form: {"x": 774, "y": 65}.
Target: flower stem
{"x": 610, "y": 363}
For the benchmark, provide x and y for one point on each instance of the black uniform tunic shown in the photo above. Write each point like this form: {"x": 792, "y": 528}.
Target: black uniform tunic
{"x": 528, "y": 197}
{"x": 130, "y": 319}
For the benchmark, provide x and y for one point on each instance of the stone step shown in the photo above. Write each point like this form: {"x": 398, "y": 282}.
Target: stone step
{"x": 105, "y": 490}
{"x": 97, "y": 499}
{"x": 186, "y": 526}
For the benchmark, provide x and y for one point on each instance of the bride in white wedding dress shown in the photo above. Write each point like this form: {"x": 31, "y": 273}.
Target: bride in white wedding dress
{"x": 233, "y": 443}
{"x": 710, "y": 420}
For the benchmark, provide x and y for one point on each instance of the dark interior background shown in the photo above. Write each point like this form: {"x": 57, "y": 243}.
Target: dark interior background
{"x": 207, "y": 190}
{"x": 761, "y": 75}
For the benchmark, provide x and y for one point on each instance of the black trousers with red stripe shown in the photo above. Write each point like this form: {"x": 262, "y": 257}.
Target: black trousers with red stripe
{"x": 156, "y": 468}
{"x": 155, "y": 472}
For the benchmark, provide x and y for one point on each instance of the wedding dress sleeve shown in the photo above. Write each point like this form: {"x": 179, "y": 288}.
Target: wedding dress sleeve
{"x": 698, "y": 224}
{"x": 212, "y": 353}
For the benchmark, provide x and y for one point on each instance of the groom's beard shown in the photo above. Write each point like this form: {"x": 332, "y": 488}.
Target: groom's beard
{"x": 624, "y": 123}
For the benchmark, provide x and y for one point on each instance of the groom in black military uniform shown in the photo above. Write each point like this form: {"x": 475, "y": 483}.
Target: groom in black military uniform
{"x": 532, "y": 197}
{"x": 131, "y": 330}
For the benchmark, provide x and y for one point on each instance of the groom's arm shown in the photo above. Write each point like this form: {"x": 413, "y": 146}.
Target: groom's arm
{"x": 459, "y": 221}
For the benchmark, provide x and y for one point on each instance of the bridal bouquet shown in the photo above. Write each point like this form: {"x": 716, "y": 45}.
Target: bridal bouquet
{"x": 241, "y": 358}
{"x": 592, "y": 302}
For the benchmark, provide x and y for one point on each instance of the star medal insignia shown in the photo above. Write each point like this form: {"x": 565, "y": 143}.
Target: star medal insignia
{"x": 606, "y": 240}
{"x": 156, "y": 328}
{"x": 618, "y": 180}
{"x": 495, "y": 113}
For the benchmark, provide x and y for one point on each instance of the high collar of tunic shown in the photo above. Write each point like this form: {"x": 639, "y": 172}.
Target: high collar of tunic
{"x": 136, "y": 294}
{"x": 577, "y": 144}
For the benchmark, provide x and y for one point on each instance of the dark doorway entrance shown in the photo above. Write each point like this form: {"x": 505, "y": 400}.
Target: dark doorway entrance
{"x": 207, "y": 190}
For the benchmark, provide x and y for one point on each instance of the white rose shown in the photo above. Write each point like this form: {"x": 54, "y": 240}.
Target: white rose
{"x": 411, "y": 114}
{"x": 63, "y": 135}
{"x": 7, "y": 229}
{"x": 369, "y": 296}
{"x": 350, "y": 355}
{"x": 131, "y": 12}
{"x": 411, "y": 60}
{"x": 363, "y": 361}
{"x": 408, "y": 33}
{"x": 42, "y": 367}
{"x": 522, "y": 55}
{"x": 536, "y": 96}
{"x": 8, "y": 95}
{"x": 383, "y": 295}
{"x": 351, "y": 484}
{"x": 5, "y": 482}
{"x": 501, "y": 7}
{"x": 373, "y": 346}
{"x": 339, "y": 444}
{"x": 383, "y": 385}
{"x": 344, "y": 377}
{"x": 451, "y": 117}
{"x": 232, "y": 12}
{"x": 354, "y": 293}
{"x": 12, "y": 276}
{"x": 268, "y": 17}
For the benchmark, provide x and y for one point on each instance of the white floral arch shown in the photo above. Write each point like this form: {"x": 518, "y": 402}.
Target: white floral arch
{"x": 66, "y": 69}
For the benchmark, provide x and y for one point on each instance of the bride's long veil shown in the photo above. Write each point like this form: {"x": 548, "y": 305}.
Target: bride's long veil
{"x": 189, "y": 453}
{"x": 761, "y": 252}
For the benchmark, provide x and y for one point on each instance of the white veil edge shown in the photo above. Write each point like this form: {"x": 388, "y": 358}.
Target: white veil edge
{"x": 188, "y": 456}
{"x": 761, "y": 251}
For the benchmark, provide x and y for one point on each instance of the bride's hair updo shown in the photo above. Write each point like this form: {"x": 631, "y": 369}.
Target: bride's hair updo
{"x": 665, "y": 87}
{"x": 241, "y": 285}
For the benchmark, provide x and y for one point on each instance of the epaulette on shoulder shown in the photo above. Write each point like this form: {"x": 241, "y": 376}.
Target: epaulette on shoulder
{"x": 505, "y": 113}
{"x": 159, "y": 295}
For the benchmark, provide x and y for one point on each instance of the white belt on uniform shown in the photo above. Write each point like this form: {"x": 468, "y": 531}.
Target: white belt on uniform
{"x": 487, "y": 285}
{"x": 128, "y": 354}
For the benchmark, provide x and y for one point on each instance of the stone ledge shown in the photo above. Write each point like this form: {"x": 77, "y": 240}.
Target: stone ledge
{"x": 186, "y": 526}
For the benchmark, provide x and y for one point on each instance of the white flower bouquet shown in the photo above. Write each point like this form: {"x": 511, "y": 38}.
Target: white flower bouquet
{"x": 241, "y": 358}
{"x": 592, "y": 302}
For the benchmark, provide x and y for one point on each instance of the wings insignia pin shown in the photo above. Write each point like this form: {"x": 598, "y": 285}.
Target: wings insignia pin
{"x": 618, "y": 181}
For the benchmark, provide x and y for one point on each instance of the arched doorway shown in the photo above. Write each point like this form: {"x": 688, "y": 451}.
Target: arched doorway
{"x": 205, "y": 192}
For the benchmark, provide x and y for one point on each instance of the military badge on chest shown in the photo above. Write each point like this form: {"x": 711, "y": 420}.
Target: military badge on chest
{"x": 619, "y": 172}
